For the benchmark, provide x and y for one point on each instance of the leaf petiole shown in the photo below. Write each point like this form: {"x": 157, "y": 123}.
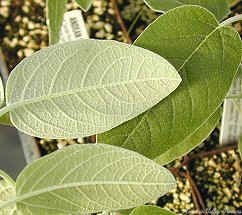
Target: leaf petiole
{"x": 231, "y": 20}
{"x": 234, "y": 97}
{"x": 4, "y": 110}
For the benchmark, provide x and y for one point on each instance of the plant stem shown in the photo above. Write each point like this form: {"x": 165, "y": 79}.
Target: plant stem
{"x": 198, "y": 194}
{"x": 194, "y": 196}
{"x": 4, "y": 110}
{"x": 231, "y": 20}
{"x": 8, "y": 203}
{"x": 234, "y": 97}
{"x": 212, "y": 152}
{"x": 135, "y": 20}
{"x": 7, "y": 178}
{"x": 120, "y": 21}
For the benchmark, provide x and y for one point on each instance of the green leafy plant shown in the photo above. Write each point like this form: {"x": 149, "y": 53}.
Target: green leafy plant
{"x": 186, "y": 117}
{"x": 98, "y": 95}
{"x": 87, "y": 87}
{"x": 103, "y": 183}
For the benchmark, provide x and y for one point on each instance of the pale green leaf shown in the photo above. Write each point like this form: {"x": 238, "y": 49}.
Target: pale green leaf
{"x": 207, "y": 57}
{"x": 90, "y": 178}
{"x": 55, "y": 14}
{"x": 1, "y": 93}
{"x": 151, "y": 210}
{"x": 85, "y": 4}
{"x": 84, "y": 87}
{"x": 7, "y": 191}
{"x": 219, "y": 7}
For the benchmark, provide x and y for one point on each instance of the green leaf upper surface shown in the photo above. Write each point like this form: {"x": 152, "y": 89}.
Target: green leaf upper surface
{"x": 1, "y": 93}
{"x": 207, "y": 58}
{"x": 88, "y": 178}
{"x": 191, "y": 141}
{"x": 84, "y": 87}
{"x": 55, "y": 14}
{"x": 219, "y": 7}
{"x": 7, "y": 191}
{"x": 84, "y": 4}
{"x": 151, "y": 210}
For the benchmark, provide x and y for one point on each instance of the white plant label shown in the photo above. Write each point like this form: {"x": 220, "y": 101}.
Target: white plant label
{"x": 231, "y": 129}
{"x": 73, "y": 27}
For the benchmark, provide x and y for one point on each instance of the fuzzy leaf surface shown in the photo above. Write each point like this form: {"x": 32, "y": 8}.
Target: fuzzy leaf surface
{"x": 90, "y": 178}
{"x": 85, "y": 87}
{"x": 7, "y": 191}
{"x": 207, "y": 57}
{"x": 220, "y": 8}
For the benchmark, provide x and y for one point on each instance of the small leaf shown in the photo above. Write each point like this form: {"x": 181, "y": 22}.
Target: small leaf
{"x": 151, "y": 210}
{"x": 219, "y": 7}
{"x": 1, "y": 93}
{"x": 55, "y": 14}
{"x": 207, "y": 57}
{"x": 5, "y": 120}
{"x": 84, "y": 87}
{"x": 87, "y": 178}
{"x": 7, "y": 191}
{"x": 85, "y": 4}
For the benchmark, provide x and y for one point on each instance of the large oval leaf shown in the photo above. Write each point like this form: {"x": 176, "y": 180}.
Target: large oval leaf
{"x": 89, "y": 178}
{"x": 219, "y": 7}
{"x": 207, "y": 57}
{"x": 84, "y": 87}
{"x": 151, "y": 210}
{"x": 1, "y": 93}
{"x": 55, "y": 14}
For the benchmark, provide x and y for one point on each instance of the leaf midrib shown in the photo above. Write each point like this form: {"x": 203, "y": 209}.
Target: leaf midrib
{"x": 15, "y": 105}
{"x": 84, "y": 183}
